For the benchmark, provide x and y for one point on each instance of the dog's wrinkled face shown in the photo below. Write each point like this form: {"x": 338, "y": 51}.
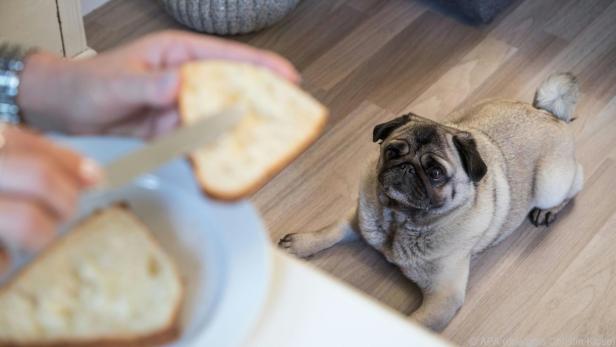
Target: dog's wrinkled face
{"x": 425, "y": 165}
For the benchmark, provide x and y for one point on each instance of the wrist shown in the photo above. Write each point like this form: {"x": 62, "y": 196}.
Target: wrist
{"x": 40, "y": 89}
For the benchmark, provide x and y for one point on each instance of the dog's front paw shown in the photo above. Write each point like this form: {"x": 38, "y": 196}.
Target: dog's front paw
{"x": 300, "y": 244}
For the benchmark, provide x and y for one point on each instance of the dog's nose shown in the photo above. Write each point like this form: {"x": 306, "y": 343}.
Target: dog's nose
{"x": 396, "y": 149}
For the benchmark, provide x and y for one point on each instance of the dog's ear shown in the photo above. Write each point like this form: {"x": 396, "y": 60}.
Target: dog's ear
{"x": 381, "y": 131}
{"x": 474, "y": 166}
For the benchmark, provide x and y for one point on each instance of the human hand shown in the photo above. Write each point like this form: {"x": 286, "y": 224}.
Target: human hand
{"x": 131, "y": 90}
{"x": 39, "y": 186}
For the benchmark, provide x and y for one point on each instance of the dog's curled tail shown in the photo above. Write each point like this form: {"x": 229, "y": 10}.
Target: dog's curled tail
{"x": 558, "y": 95}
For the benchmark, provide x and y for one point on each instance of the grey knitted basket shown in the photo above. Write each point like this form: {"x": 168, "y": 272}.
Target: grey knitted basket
{"x": 228, "y": 17}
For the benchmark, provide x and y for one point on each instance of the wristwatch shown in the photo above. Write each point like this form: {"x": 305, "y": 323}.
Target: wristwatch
{"x": 11, "y": 65}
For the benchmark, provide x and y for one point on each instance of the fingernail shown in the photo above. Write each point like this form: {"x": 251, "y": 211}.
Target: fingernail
{"x": 90, "y": 171}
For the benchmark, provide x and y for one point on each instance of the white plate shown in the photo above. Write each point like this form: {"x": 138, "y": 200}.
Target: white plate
{"x": 221, "y": 249}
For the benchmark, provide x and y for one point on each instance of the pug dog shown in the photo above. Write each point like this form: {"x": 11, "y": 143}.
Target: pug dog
{"x": 441, "y": 193}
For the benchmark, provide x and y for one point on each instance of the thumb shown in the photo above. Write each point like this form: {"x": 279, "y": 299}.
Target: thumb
{"x": 154, "y": 89}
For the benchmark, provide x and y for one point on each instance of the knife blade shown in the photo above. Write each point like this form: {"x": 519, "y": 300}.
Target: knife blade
{"x": 161, "y": 150}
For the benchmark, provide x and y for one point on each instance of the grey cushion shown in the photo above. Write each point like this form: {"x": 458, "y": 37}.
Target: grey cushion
{"x": 228, "y": 17}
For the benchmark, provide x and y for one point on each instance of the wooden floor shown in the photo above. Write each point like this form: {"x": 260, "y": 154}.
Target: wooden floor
{"x": 370, "y": 60}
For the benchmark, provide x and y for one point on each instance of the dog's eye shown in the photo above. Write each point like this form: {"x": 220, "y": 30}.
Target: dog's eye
{"x": 396, "y": 149}
{"x": 391, "y": 153}
{"x": 436, "y": 173}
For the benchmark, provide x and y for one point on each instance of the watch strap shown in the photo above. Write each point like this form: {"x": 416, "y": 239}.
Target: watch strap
{"x": 11, "y": 65}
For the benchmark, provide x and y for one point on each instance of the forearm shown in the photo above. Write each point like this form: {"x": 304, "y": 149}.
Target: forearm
{"x": 44, "y": 94}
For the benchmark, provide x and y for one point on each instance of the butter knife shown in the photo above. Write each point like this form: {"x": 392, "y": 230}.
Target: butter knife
{"x": 161, "y": 150}
{"x": 150, "y": 156}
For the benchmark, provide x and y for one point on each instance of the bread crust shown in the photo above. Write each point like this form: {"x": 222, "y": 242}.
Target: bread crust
{"x": 167, "y": 334}
{"x": 272, "y": 171}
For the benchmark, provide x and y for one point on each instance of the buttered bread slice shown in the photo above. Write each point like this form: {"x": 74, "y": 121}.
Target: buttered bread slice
{"x": 280, "y": 121}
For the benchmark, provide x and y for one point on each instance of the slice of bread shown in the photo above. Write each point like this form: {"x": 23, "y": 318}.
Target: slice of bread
{"x": 280, "y": 121}
{"x": 106, "y": 283}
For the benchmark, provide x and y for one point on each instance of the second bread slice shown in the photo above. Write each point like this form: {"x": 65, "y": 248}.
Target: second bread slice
{"x": 106, "y": 283}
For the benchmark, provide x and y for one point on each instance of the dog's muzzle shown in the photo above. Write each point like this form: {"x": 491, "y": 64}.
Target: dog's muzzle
{"x": 401, "y": 184}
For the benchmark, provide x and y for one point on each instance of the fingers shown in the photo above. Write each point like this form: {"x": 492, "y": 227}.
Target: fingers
{"x": 37, "y": 178}
{"x": 215, "y": 48}
{"x": 149, "y": 89}
{"x": 35, "y": 169}
{"x": 85, "y": 171}
{"x": 228, "y": 50}
{"x": 26, "y": 223}
{"x": 159, "y": 85}
{"x": 148, "y": 124}
{"x": 163, "y": 122}
{"x": 40, "y": 184}
{"x": 173, "y": 48}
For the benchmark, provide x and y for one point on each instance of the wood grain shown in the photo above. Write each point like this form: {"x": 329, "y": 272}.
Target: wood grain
{"x": 118, "y": 22}
{"x": 320, "y": 24}
{"x": 590, "y": 55}
{"x": 370, "y": 60}
{"x": 526, "y": 20}
{"x": 462, "y": 79}
{"x": 568, "y": 20}
{"x": 584, "y": 291}
{"x": 397, "y": 73}
{"x": 367, "y": 39}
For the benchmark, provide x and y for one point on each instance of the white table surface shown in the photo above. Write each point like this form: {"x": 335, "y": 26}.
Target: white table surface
{"x": 306, "y": 307}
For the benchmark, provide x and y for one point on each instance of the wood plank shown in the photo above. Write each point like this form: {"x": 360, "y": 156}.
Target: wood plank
{"x": 596, "y": 135}
{"x": 462, "y": 79}
{"x": 582, "y": 299}
{"x": 403, "y": 63}
{"x": 592, "y": 124}
{"x": 571, "y": 18}
{"x": 510, "y": 80}
{"x": 596, "y": 44}
{"x": 321, "y": 25}
{"x": 527, "y": 19}
{"x": 119, "y": 22}
{"x": 363, "y": 42}
{"x": 404, "y": 67}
